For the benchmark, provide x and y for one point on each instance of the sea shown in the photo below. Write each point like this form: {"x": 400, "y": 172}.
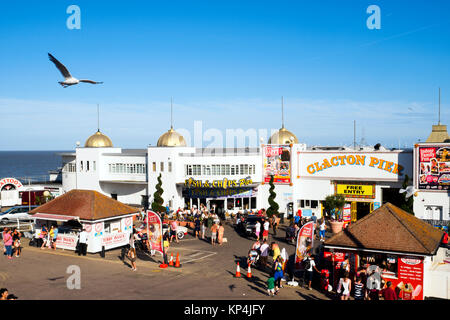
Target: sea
{"x": 24, "y": 165}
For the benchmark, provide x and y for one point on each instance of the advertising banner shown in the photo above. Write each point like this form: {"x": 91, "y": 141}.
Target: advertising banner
{"x": 304, "y": 242}
{"x": 410, "y": 278}
{"x": 434, "y": 168}
{"x": 68, "y": 242}
{"x": 115, "y": 240}
{"x": 347, "y": 214}
{"x": 154, "y": 231}
{"x": 277, "y": 163}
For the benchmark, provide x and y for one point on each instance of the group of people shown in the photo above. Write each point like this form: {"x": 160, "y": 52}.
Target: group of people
{"x": 5, "y": 295}
{"x": 366, "y": 284}
{"x": 48, "y": 237}
{"x": 208, "y": 221}
{"x": 11, "y": 243}
{"x": 258, "y": 256}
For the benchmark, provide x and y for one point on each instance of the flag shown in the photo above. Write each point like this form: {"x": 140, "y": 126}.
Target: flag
{"x": 154, "y": 231}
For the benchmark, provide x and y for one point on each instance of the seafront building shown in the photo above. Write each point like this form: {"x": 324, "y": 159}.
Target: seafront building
{"x": 237, "y": 179}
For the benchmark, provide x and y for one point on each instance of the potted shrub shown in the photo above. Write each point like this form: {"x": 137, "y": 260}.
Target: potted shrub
{"x": 333, "y": 205}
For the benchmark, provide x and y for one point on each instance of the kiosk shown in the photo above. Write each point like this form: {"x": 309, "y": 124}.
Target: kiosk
{"x": 108, "y": 222}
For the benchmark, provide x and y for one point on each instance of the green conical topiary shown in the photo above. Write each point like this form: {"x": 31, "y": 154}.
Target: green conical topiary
{"x": 158, "y": 201}
{"x": 273, "y": 206}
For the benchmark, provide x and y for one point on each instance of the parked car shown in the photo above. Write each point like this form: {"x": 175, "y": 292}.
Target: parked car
{"x": 250, "y": 224}
{"x": 16, "y": 213}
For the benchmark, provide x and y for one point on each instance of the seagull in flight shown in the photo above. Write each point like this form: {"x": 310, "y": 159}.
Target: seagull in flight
{"x": 69, "y": 80}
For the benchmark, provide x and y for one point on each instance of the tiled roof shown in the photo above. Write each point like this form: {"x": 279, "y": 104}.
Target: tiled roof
{"x": 389, "y": 228}
{"x": 85, "y": 204}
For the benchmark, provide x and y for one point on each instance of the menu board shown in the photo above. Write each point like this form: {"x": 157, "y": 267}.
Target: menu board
{"x": 434, "y": 168}
{"x": 277, "y": 163}
{"x": 410, "y": 278}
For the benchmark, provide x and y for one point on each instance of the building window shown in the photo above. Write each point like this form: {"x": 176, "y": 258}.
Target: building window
{"x": 94, "y": 165}
{"x": 189, "y": 170}
{"x": 81, "y": 166}
{"x": 87, "y": 165}
{"x": 170, "y": 166}
{"x": 162, "y": 167}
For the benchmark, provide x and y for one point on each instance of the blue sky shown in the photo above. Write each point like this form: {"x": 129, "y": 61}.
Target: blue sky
{"x": 226, "y": 63}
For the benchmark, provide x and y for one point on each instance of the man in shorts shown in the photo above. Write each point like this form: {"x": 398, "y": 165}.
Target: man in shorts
{"x": 309, "y": 272}
{"x": 266, "y": 227}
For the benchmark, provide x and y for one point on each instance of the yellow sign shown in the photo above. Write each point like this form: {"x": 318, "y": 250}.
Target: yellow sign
{"x": 356, "y": 190}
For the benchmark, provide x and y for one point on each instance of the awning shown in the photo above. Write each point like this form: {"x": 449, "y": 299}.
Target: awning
{"x": 53, "y": 217}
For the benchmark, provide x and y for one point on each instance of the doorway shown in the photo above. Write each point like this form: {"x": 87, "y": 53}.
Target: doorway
{"x": 362, "y": 209}
{"x": 219, "y": 205}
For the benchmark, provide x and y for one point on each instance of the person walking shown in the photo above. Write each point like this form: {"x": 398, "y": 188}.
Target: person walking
{"x": 271, "y": 286}
{"x": 44, "y": 236}
{"x": 310, "y": 266}
{"x": 257, "y": 229}
{"x": 16, "y": 242}
{"x": 344, "y": 287}
{"x": 209, "y": 223}
{"x": 204, "y": 223}
{"x": 278, "y": 273}
{"x": 8, "y": 241}
{"x": 197, "y": 224}
{"x": 266, "y": 227}
{"x": 214, "y": 229}
{"x": 173, "y": 231}
{"x": 55, "y": 236}
{"x": 132, "y": 257}
{"x": 275, "y": 251}
{"x": 264, "y": 249}
{"x": 220, "y": 232}
{"x": 275, "y": 224}
{"x": 359, "y": 290}
{"x": 82, "y": 239}
{"x": 322, "y": 228}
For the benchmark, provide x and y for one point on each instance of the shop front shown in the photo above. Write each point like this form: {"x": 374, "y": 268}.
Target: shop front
{"x": 391, "y": 245}
{"x": 9, "y": 192}
{"x": 223, "y": 195}
{"x": 361, "y": 176}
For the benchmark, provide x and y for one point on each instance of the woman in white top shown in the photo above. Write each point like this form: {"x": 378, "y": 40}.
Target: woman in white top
{"x": 345, "y": 285}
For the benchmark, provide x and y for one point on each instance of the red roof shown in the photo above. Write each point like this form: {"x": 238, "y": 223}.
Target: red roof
{"x": 389, "y": 228}
{"x": 86, "y": 205}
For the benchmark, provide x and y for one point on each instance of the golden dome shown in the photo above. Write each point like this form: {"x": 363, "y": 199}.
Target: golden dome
{"x": 98, "y": 140}
{"x": 283, "y": 136}
{"x": 171, "y": 139}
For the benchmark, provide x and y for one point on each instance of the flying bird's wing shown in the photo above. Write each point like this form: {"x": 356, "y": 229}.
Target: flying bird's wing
{"x": 89, "y": 81}
{"x": 60, "y": 66}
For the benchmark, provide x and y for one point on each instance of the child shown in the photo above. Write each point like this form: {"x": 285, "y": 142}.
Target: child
{"x": 271, "y": 286}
